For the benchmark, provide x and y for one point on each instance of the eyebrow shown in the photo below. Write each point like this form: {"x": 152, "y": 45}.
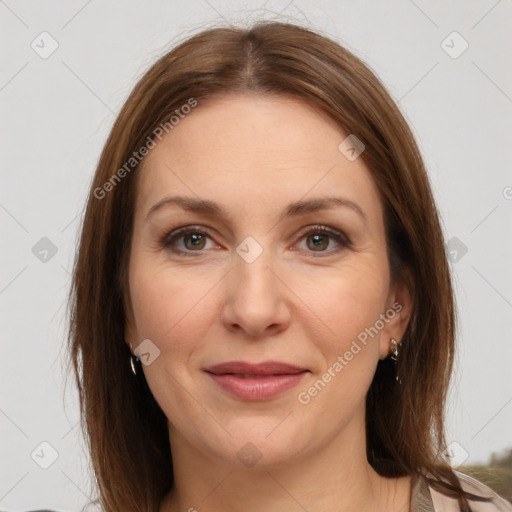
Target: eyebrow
{"x": 293, "y": 209}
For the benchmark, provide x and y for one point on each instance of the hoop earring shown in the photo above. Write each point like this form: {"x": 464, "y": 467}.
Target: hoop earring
{"x": 395, "y": 349}
{"x": 133, "y": 363}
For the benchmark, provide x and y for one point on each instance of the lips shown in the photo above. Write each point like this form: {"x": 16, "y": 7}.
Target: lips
{"x": 249, "y": 381}
{"x": 265, "y": 368}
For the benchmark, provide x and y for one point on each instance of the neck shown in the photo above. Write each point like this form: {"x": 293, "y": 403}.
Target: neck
{"x": 336, "y": 477}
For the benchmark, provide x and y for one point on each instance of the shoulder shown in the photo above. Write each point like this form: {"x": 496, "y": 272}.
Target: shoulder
{"x": 443, "y": 503}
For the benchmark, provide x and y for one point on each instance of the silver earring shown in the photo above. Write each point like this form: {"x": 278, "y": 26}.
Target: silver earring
{"x": 395, "y": 349}
{"x": 133, "y": 362}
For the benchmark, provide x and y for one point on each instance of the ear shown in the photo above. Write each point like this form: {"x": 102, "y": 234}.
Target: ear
{"x": 398, "y": 312}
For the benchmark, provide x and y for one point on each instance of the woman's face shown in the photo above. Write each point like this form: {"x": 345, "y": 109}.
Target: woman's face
{"x": 249, "y": 284}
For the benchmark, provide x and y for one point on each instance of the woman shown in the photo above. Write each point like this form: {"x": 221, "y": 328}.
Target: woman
{"x": 262, "y": 316}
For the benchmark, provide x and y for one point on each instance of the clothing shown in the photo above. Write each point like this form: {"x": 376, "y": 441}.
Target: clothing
{"x": 426, "y": 499}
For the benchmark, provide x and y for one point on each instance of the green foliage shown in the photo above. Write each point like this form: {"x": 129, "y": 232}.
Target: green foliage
{"x": 497, "y": 474}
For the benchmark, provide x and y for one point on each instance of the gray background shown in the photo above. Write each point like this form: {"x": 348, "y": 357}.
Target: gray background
{"x": 56, "y": 114}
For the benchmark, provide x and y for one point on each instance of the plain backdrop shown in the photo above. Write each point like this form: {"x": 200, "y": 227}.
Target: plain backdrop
{"x": 447, "y": 64}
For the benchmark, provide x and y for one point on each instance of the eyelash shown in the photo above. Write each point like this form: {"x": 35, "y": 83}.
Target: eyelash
{"x": 169, "y": 238}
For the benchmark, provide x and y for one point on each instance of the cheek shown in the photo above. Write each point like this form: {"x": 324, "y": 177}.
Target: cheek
{"x": 349, "y": 305}
{"x": 347, "y": 299}
{"x": 168, "y": 307}
{"x": 171, "y": 309}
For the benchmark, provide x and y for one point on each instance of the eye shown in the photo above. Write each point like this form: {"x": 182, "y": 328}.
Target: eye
{"x": 319, "y": 237}
{"x": 193, "y": 238}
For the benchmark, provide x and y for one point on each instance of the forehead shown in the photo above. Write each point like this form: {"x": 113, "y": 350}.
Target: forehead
{"x": 248, "y": 150}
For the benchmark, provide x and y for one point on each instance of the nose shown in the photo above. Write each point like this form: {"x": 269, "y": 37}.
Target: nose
{"x": 256, "y": 302}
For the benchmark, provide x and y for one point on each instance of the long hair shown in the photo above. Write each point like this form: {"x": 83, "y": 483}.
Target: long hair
{"x": 125, "y": 429}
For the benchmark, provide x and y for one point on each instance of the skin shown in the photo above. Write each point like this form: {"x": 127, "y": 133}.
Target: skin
{"x": 295, "y": 303}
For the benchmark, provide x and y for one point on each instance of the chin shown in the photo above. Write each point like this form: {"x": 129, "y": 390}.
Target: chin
{"x": 262, "y": 444}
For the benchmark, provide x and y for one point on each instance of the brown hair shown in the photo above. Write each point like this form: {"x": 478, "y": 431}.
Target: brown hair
{"x": 125, "y": 428}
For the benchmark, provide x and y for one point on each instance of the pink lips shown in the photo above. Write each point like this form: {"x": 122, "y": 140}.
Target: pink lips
{"x": 261, "y": 381}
